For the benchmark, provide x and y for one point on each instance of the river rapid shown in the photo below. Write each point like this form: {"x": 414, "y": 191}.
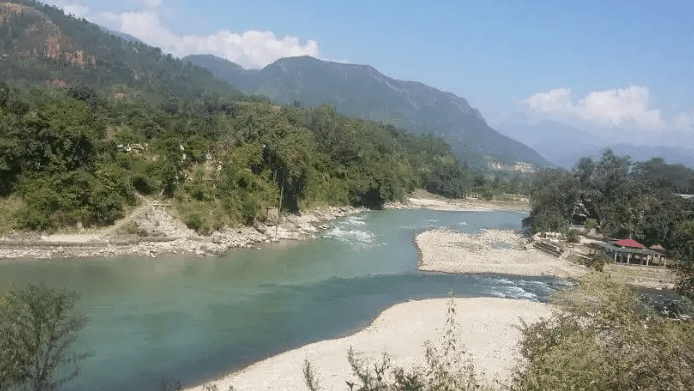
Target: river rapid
{"x": 196, "y": 318}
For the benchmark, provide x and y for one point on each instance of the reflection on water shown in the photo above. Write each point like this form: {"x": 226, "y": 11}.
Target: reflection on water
{"x": 194, "y": 318}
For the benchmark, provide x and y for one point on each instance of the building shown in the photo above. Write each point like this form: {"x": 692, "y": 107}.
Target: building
{"x": 628, "y": 251}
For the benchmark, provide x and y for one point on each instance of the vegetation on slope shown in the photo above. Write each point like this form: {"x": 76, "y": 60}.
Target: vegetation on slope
{"x": 363, "y": 92}
{"x": 75, "y": 156}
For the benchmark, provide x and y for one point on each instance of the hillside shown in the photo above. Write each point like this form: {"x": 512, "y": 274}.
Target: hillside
{"x": 362, "y": 91}
{"x": 40, "y": 44}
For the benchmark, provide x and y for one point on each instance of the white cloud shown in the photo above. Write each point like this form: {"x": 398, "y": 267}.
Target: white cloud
{"x": 611, "y": 109}
{"x": 684, "y": 121}
{"x": 250, "y": 49}
{"x": 551, "y": 102}
{"x": 617, "y": 115}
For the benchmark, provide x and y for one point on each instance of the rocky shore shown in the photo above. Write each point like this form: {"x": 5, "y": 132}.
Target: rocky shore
{"x": 153, "y": 231}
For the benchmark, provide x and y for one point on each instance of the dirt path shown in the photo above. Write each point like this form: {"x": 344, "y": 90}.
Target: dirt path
{"x": 146, "y": 206}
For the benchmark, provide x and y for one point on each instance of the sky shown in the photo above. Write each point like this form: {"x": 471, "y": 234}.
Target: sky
{"x": 622, "y": 70}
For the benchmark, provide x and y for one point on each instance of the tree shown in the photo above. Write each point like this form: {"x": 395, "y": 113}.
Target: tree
{"x": 684, "y": 250}
{"x": 37, "y": 327}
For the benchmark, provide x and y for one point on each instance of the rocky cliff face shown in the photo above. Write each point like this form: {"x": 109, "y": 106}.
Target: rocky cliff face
{"x": 28, "y": 33}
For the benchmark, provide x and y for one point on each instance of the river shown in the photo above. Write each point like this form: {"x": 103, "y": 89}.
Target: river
{"x": 196, "y": 318}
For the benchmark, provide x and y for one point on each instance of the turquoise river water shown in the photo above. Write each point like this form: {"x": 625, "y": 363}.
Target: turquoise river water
{"x": 196, "y": 318}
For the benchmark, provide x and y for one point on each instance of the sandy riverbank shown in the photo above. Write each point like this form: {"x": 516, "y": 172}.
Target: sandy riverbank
{"x": 486, "y": 325}
{"x": 492, "y": 251}
{"x": 422, "y": 199}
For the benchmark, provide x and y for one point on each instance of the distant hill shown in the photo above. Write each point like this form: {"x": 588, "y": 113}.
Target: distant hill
{"x": 40, "y": 44}
{"x": 564, "y": 144}
{"x": 362, "y": 91}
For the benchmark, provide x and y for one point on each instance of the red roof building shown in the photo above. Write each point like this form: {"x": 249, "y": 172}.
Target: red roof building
{"x": 630, "y": 243}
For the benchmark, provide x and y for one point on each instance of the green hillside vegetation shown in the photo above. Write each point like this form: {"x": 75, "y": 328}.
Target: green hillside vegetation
{"x": 623, "y": 200}
{"x": 73, "y": 156}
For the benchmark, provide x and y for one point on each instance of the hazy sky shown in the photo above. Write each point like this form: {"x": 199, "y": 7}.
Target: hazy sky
{"x": 621, "y": 69}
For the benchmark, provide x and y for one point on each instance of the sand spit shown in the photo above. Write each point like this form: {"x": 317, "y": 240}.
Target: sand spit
{"x": 492, "y": 251}
{"x": 487, "y": 328}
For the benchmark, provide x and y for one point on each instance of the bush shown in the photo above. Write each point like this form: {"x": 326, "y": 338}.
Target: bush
{"x": 487, "y": 194}
{"x": 597, "y": 262}
{"x": 604, "y": 338}
{"x": 548, "y": 220}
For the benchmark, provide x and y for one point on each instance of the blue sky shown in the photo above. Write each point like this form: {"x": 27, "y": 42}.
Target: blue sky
{"x": 620, "y": 69}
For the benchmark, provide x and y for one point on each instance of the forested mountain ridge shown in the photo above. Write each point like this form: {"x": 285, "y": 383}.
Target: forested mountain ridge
{"x": 364, "y": 92}
{"x": 40, "y": 44}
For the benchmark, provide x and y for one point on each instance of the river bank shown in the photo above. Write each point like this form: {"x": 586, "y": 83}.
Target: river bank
{"x": 488, "y": 331}
{"x": 152, "y": 229}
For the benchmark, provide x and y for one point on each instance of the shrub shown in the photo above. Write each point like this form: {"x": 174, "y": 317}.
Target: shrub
{"x": 548, "y": 220}
{"x": 597, "y": 262}
{"x": 604, "y": 338}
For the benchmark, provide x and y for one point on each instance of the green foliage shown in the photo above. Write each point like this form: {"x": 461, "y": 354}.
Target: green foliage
{"x": 590, "y": 224}
{"x": 684, "y": 237}
{"x": 658, "y": 174}
{"x": 604, "y": 338}
{"x": 549, "y": 220}
{"x": 37, "y": 327}
{"x": 622, "y": 202}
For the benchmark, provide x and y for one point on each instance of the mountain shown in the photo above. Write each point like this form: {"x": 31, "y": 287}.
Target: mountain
{"x": 362, "y": 91}
{"x": 40, "y": 44}
{"x": 564, "y": 144}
